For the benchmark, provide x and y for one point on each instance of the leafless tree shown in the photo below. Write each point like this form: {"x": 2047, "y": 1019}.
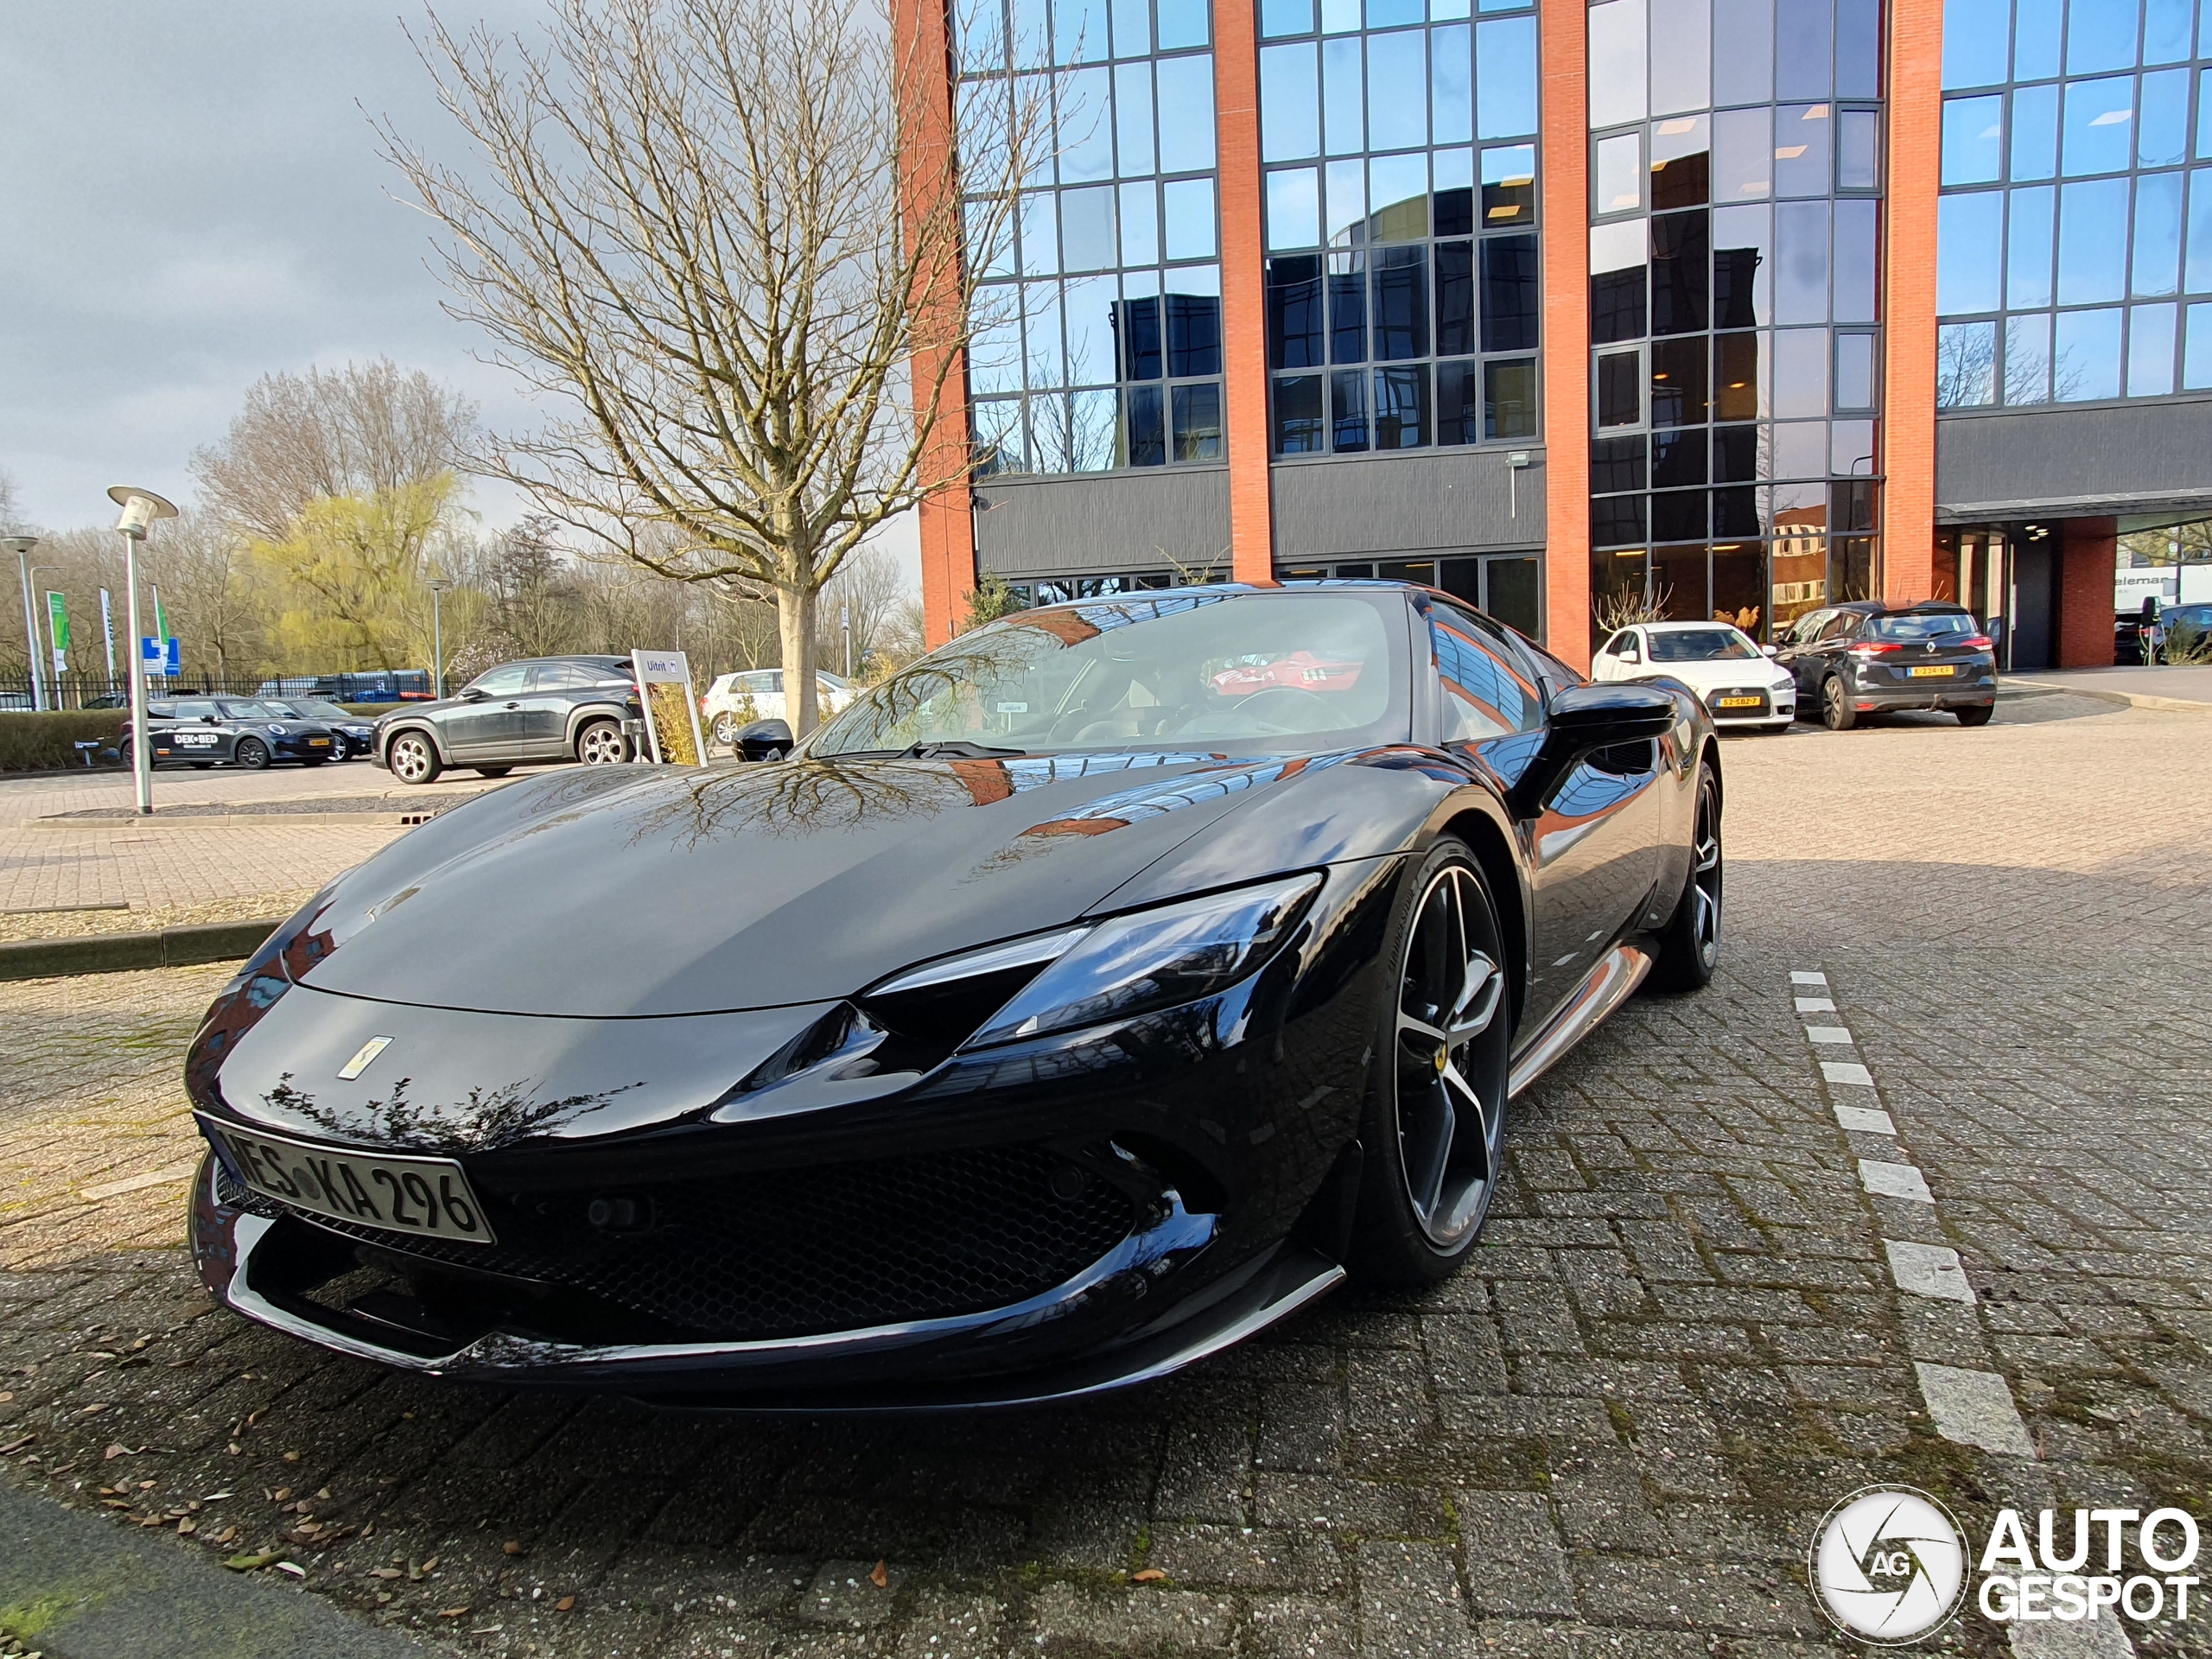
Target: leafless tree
{"x": 724, "y": 238}
{"x": 362, "y": 430}
{"x": 208, "y": 589}
{"x": 868, "y": 589}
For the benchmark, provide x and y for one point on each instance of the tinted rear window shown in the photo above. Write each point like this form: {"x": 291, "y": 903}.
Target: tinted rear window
{"x": 1935, "y": 626}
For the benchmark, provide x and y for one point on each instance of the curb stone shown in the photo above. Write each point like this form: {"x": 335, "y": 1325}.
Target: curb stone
{"x": 116, "y": 953}
{"x": 88, "y": 1590}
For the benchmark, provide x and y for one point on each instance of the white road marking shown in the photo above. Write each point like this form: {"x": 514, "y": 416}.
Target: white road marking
{"x": 1894, "y": 1182}
{"x": 1815, "y": 1005}
{"x": 1869, "y": 1118}
{"x": 1828, "y": 1035}
{"x": 1973, "y": 1409}
{"x": 138, "y": 1183}
{"x": 1931, "y": 1270}
{"x": 1847, "y": 1071}
{"x": 2102, "y": 1639}
{"x": 1799, "y": 976}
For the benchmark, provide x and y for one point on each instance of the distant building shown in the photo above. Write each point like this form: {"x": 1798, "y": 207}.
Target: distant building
{"x": 1740, "y": 305}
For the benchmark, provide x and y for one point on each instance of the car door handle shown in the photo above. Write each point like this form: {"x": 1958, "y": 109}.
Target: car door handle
{"x": 514, "y": 705}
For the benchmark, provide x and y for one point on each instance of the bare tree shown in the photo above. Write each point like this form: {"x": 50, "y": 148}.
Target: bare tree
{"x": 207, "y": 587}
{"x": 367, "y": 429}
{"x": 725, "y": 237}
{"x": 867, "y": 590}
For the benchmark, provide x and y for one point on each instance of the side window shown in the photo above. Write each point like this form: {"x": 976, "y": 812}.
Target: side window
{"x": 503, "y": 682}
{"x": 194, "y": 710}
{"x": 1485, "y": 696}
{"x": 776, "y": 680}
{"x": 1619, "y": 643}
{"x": 562, "y": 676}
{"x": 1842, "y": 626}
{"x": 1808, "y": 627}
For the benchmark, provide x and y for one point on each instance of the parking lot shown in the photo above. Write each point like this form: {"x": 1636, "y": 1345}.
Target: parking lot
{"x": 1681, "y": 1342}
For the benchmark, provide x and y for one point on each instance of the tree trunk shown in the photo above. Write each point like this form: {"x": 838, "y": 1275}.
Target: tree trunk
{"x": 795, "y": 623}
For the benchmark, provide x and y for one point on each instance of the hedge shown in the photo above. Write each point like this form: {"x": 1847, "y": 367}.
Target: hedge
{"x": 34, "y": 742}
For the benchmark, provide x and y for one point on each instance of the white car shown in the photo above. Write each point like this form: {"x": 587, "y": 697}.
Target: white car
{"x": 735, "y": 701}
{"x": 1740, "y": 685}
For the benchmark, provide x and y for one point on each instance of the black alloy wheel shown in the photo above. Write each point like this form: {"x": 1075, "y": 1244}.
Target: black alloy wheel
{"x": 1836, "y": 712}
{"x": 251, "y": 754}
{"x": 1435, "y": 1128}
{"x": 1690, "y": 944}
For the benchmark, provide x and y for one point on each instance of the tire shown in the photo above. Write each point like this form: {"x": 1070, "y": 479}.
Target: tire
{"x": 602, "y": 743}
{"x": 1836, "y": 712}
{"x": 726, "y": 730}
{"x": 493, "y": 771}
{"x": 1446, "y": 1024}
{"x": 252, "y": 755}
{"x": 1690, "y": 944}
{"x": 414, "y": 759}
{"x": 197, "y": 765}
{"x": 1975, "y": 714}
{"x": 313, "y": 759}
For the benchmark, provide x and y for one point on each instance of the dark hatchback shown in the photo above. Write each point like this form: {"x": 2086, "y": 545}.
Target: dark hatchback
{"x": 1864, "y": 657}
{"x": 548, "y": 709}
{"x": 235, "y": 731}
{"x": 359, "y": 734}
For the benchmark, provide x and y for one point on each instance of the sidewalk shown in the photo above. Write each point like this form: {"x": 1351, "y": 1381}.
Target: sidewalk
{"x": 2187, "y": 690}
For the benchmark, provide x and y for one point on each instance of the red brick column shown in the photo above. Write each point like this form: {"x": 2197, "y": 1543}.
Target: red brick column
{"x": 1244, "y": 289}
{"x": 947, "y": 517}
{"x": 2088, "y": 562}
{"x": 1908, "y": 299}
{"x": 1564, "y": 27}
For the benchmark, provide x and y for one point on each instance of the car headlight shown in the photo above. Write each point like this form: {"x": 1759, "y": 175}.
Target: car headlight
{"x": 274, "y": 730}
{"x": 1123, "y": 966}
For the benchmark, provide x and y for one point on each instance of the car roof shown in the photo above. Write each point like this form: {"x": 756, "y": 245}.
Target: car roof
{"x": 1918, "y": 607}
{"x": 1684, "y": 628}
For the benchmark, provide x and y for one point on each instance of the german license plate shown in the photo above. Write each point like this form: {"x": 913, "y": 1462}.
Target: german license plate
{"x": 1942, "y": 672}
{"x": 426, "y": 1196}
{"x": 1738, "y": 703}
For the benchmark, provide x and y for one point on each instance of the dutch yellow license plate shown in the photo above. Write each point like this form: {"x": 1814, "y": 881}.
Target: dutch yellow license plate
{"x": 1737, "y": 703}
{"x": 1942, "y": 673}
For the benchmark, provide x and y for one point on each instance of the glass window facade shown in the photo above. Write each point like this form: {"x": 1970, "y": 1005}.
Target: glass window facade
{"x": 1735, "y": 306}
{"x": 2075, "y": 224}
{"x": 1403, "y": 288}
{"x": 1098, "y": 321}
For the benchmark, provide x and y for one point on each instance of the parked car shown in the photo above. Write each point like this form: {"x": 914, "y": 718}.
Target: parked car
{"x": 2187, "y": 629}
{"x": 359, "y": 732}
{"x": 725, "y": 707}
{"x": 1864, "y": 657}
{"x": 518, "y": 713}
{"x": 1069, "y": 1007}
{"x": 1717, "y": 660}
{"x": 370, "y": 685}
{"x": 230, "y": 731}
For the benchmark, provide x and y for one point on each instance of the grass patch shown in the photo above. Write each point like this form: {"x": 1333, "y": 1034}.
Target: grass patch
{"x": 23, "y": 1620}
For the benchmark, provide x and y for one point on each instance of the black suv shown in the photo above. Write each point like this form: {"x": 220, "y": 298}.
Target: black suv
{"x": 1865, "y": 656}
{"x": 547, "y": 708}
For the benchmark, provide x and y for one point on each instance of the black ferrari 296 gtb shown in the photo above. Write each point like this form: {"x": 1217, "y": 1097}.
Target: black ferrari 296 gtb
{"x": 1100, "y": 988}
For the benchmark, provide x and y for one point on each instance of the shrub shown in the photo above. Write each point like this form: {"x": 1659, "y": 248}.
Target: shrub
{"x": 34, "y": 742}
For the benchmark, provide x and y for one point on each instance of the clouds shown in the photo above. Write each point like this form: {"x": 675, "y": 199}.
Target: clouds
{"x": 190, "y": 197}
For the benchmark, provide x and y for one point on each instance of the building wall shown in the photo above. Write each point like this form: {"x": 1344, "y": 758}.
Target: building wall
{"x": 2056, "y": 458}
{"x": 1103, "y": 523}
{"x": 1431, "y": 502}
{"x": 2085, "y": 593}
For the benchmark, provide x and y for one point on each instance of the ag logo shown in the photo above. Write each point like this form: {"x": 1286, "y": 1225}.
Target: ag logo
{"x": 1887, "y": 1565}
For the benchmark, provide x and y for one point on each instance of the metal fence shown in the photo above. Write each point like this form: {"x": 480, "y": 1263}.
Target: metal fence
{"x": 102, "y": 691}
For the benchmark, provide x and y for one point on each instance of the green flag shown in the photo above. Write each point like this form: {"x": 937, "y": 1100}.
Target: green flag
{"x": 57, "y": 622}
{"x": 160, "y": 617}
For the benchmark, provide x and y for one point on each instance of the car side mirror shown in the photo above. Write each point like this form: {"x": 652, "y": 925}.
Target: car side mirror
{"x": 1770, "y": 650}
{"x": 1631, "y": 654}
{"x": 1585, "y": 719}
{"x": 470, "y": 694}
{"x": 207, "y": 719}
{"x": 765, "y": 740}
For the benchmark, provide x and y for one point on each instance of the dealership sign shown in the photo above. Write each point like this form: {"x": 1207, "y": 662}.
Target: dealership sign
{"x": 1888, "y": 1565}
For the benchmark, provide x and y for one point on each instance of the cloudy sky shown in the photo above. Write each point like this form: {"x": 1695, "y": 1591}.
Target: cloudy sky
{"x": 191, "y": 197}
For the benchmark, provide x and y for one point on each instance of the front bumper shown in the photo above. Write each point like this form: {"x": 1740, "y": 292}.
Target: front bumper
{"x": 795, "y": 1269}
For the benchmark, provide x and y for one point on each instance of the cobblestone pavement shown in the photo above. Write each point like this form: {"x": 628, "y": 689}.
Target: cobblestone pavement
{"x": 1611, "y": 1434}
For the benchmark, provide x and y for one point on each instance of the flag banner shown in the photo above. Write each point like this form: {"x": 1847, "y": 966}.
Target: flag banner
{"x": 160, "y": 617}
{"x": 107, "y": 630}
{"x": 671, "y": 709}
{"x": 57, "y": 629}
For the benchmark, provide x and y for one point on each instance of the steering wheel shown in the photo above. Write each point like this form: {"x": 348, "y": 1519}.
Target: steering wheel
{"x": 1290, "y": 708}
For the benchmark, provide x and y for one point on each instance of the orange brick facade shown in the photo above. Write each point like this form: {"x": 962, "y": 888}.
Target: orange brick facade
{"x": 1243, "y": 293}
{"x": 1565, "y": 220}
{"x": 2088, "y": 562}
{"x": 1916, "y": 142}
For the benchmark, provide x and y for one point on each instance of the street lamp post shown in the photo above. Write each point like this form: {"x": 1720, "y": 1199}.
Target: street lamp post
{"x": 437, "y": 581}
{"x": 140, "y": 509}
{"x": 22, "y": 546}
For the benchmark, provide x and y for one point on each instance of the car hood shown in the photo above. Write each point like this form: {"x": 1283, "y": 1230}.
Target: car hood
{"x": 623, "y": 892}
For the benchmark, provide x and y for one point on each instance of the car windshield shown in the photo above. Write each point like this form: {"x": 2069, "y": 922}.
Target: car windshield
{"x": 1932, "y": 624}
{"x": 316, "y": 708}
{"x": 1699, "y": 645}
{"x": 256, "y": 711}
{"x": 1283, "y": 671}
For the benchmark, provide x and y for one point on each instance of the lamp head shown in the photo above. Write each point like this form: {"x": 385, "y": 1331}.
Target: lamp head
{"x": 18, "y": 544}
{"x": 140, "y": 508}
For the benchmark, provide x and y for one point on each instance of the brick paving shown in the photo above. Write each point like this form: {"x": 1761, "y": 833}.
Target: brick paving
{"x": 1611, "y": 1434}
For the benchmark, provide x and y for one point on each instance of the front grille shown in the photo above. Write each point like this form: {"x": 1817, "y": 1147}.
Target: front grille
{"x": 781, "y": 1253}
